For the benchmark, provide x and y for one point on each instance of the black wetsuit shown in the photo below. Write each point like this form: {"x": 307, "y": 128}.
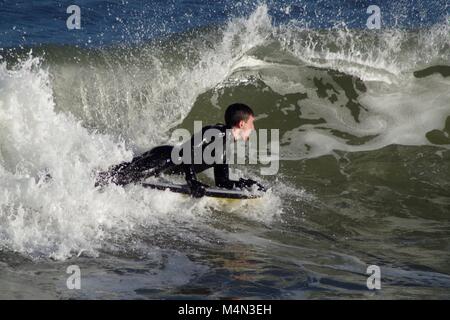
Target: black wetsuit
{"x": 159, "y": 160}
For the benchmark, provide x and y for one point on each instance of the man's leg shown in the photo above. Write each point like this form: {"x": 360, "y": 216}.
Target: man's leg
{"x": 142, "y": 167}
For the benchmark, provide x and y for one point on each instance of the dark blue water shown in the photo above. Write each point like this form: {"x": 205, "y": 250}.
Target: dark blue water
{"x": 30, "y": 23}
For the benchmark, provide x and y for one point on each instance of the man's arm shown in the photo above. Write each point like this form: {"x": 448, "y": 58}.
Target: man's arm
{"x": 197, "y": 188}
{"x": 222, "y": 178}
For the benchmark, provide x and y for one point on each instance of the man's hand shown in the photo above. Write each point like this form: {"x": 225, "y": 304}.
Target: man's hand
{"x": 197, "y": 188}
{"x": 248, "y": 183}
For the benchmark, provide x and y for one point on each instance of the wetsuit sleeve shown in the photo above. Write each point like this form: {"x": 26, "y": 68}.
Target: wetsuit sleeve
{"x": 188, "y": 168}
{"x": 190, "y": 173}
{"x": 222, "y": 176}
{"x": 191, "y": 176}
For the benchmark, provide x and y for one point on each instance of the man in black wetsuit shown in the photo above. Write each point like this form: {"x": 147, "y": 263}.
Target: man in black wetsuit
{"x": 171, "y": 160}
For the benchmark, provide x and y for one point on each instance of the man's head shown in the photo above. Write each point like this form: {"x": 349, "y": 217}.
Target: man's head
{"x": 239, "y": 117}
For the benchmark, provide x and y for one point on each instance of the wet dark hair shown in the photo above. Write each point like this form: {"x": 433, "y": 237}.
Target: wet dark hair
{"x": 236, "y": 113}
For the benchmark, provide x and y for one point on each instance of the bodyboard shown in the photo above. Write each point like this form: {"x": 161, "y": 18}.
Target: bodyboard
{"x": 209, "y": 192}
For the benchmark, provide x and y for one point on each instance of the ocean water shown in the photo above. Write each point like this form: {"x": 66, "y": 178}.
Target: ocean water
{"x": 364, "y": 120}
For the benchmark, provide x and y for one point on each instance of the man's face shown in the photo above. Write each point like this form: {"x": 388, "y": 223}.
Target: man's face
{"x": 246, "y": 128}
